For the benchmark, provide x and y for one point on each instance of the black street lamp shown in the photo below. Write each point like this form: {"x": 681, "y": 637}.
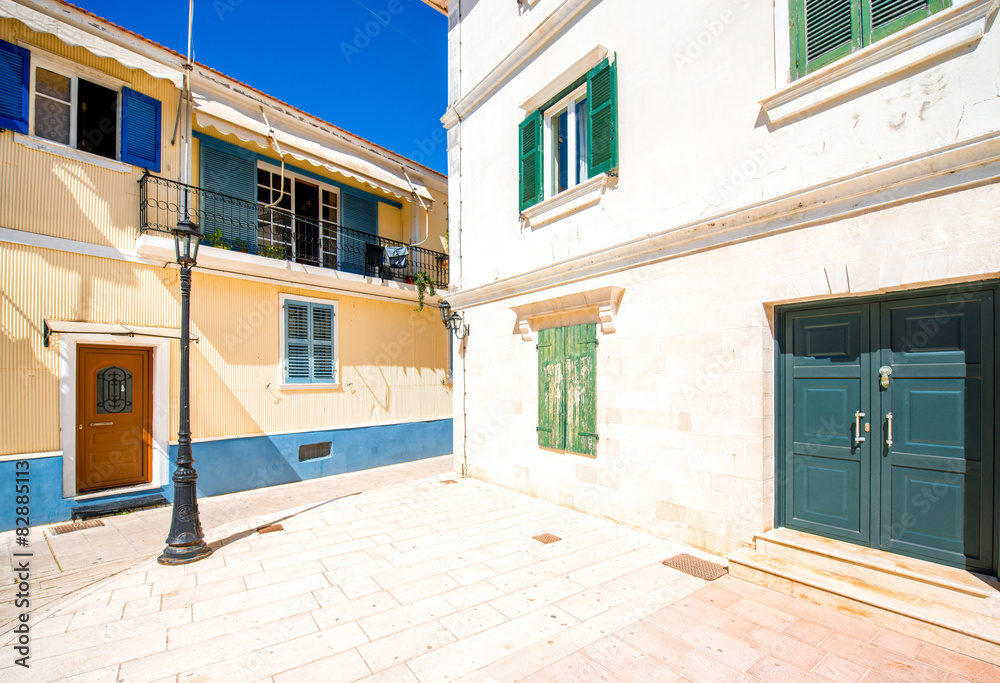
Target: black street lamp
{"x": 453, "y": 321}
{"x": 185, "y": 542}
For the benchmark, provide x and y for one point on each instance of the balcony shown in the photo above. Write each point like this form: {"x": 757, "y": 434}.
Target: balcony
{"x": 248, "y": 227}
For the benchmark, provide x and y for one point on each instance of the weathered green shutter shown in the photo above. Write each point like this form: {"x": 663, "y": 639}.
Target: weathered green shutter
{"x": 551, "y": 388}
{"x": 322, "y": 343}
{"x": 602, "y": 119}
{"x": 581, "y": 389}
{"x": 883, "y": 17}
{"x": 297, "y": 345}
{"x": 823, "y": 31}
{"x": 530, "y": 160}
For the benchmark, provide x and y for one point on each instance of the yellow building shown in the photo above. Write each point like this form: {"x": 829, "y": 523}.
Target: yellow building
{"x": 310, "y": 358}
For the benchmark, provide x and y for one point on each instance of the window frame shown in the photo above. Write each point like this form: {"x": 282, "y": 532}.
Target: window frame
{"x": 41, "y": 59}
{"x": 287, "y": 384}
{"x": 569, "y": 103}
{"x": 292, "y": 176}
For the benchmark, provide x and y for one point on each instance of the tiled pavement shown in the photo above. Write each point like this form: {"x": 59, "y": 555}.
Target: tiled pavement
{"x": 430, "y": 581}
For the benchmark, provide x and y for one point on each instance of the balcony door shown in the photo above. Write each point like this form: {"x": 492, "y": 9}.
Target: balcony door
{"x": 307, "y": 245}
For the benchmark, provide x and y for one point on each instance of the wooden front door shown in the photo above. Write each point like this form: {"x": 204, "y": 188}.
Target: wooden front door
{"x": 888, "y": 425}
{"x": 114, "y": 403}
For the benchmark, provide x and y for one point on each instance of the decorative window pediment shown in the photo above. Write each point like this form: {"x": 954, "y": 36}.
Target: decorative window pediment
{"x": 593, "y": 306}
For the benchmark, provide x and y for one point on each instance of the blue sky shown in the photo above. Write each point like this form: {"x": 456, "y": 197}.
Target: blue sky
{"x": 383, "y": 77}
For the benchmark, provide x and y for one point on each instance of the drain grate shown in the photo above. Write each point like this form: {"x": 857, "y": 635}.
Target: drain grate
{"x": 449, "y": 481}
{"x": 695, "y": 566}
{"x": 270, "y": 529}
{"x": 75, "y": 526}
{"x": 546, "y": 538}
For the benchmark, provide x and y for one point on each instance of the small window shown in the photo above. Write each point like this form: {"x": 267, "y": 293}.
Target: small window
{"x": 571, "y": 138}
{"x": 567, "y": 388}
{"x": 309, "y": 342}
{"x": 824, "y": 31}
{"x": 75, "y": 112}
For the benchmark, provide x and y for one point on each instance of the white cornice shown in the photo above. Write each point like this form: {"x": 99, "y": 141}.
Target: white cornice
{"x": 528, "y": 48}
{"x": 963, "y": 164}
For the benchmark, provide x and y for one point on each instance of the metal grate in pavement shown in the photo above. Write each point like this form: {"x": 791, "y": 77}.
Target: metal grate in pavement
{"x": 270, "y": 529}
{"x": 695, "y": 566}
{"x": 546, "y": 538}
{"x": 75, "y": 526}
{"x": 449, "y": 481}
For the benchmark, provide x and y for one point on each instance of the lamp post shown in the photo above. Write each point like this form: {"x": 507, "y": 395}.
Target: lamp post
{"x": 185, "y": 542}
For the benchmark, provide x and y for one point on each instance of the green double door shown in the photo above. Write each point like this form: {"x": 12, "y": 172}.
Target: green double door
{"x": 887, "y": 410}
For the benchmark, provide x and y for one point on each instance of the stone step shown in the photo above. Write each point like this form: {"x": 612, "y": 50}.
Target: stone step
{"x": 933, "y": 582}
{"x": 976, "y": 634}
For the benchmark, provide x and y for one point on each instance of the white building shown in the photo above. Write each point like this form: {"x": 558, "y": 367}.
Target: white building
{"x": 780, "y": 226}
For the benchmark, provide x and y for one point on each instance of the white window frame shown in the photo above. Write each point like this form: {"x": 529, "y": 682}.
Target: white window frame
{"x": 308, "y": 386}
{"x": 64, "y": 67}
{"x": 293, "y": 176}
{"x": 565, "y": 104}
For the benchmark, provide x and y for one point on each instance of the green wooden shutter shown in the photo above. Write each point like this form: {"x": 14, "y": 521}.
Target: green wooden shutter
{"x": 297, "y": 346}
{"x": 551, "y": 388}
{"x": 530, "y": 161}
{"x": 15, "y": 74}
{"x": 883, "y": 17}
{"x": 602, "y": 119}
{"x": 823, "y": 31}
{"x": 322, "y": 343}
{"x": 581, "y": 389}
{"x": 140, "y": 130}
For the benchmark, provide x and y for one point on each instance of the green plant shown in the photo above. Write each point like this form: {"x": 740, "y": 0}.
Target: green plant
{"x": 215, "y": 239}
{"x": 424, "y": 283}
{"x": 272, "y": 251}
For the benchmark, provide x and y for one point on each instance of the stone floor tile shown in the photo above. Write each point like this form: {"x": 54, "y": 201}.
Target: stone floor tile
{"x": 701, "y": 668}
{"x": 471, "y": 620}
{"x": 773, "y": 670}
{"x": 356, "y": 587}
{"x": 591, "y": 602}
{"x": 473, "y": 594}
{"x": 647, "y": 670}
{"x": 92, "y": 617}
{"x": 537, "y": 677}
{"x": 536, "y": 596}
{"x": 528, "y": 660}
{"x": 872, "y": 676}
{"x": 613, "y": 654}
{"x": 958, "y": 664}
{"x": 786, "y": 648}
{"x": 808, "y": 631}
{"x": 354, "y": 609}
{"x": 645, "y": 637}
{"x": 898, "y": 642}
{"x": 760, "y": 613}
{"x": 273, "y": 576}
{"x": 472, "y": 573}
{"x": 407, "y": 616}
{"x": 400, "y": 576}
{"x": 745, "y": 589}
{"x": 577, "y": 668}
{"x": 404, "y": 646}
{"x": 190, "y": 633}
{"x": 424, "y": 588}
{"x": 882, "y": 660}
{"x": 839, "y": 669}
{"x": 735, "y": 653}
{"x": 849, "y": 626}
{"x": 183, "y": 597}
{"x": 258, "y": 596}
{"x": 731, "y": 624}
{"x": 397, "y": 674}
{"x": 715, "y": 596}
{"x": 138, "y": 608}
{"x": 94, "y": 658}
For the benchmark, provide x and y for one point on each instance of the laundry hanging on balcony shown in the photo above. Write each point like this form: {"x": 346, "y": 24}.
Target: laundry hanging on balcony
{"x": 396, "y": 256}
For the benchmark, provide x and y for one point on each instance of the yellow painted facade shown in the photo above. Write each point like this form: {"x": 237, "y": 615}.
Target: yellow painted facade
{"x": 391, "y": 360}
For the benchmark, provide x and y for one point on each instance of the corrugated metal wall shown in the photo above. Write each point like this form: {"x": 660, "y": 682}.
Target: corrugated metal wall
{"x": 53, "y": 195}
{"x": 391, "y": 359}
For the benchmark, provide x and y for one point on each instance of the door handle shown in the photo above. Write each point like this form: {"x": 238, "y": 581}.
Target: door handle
{"x": 101, "y": 424}
{"x": 858, "y": 439}
{"x": 888, "y": 436}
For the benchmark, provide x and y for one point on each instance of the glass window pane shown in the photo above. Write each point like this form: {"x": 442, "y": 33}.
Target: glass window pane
{"x": 263, "y": 194}
{"x": 263, "y": 177}
{"x": 560, "y": 134}
{"x": 51, "y": 120}
{"x": 52, "y": 84}
{"x": 581, "y": 140}
{"x": 330, "y": 214}
{"x": 329, "y": 198}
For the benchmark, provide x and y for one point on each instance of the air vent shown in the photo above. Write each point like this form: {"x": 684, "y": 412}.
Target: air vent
{"x": 695, "y": 566}
{"x": 75, "y": 526}
{"x": 546, "y": 538}
{"x": 270, "y": 529}
{"x": 312, "y": 451}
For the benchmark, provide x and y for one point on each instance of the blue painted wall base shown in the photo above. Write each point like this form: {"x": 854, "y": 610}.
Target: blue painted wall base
{"x": 240, "y": 464}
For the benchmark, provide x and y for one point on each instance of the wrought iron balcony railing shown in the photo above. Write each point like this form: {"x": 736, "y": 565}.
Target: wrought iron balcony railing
{"x": 245, "y": 226}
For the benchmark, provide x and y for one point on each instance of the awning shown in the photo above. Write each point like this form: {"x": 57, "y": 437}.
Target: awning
{"x": 80, "y": 327}
{"x": 250, "y": 127}
{"x": 76, "y": 37}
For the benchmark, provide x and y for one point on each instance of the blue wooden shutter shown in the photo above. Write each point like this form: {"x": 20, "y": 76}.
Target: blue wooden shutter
{"x": 231, "y": 173}
{"x": 602, "y": 119}
{"x": 552, "y": 388}
{"x": 15, "y": 74}
{"x": 322, "y": 343}
{"x": 361, "y": 214}
{"x": 297, "y": 346}
{"x": 530, "y": 159}
{"x": 581, "y": 389}
{"x": 140, "y": 130}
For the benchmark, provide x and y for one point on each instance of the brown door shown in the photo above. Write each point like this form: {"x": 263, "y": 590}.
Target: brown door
{"x": 114, "y": 403}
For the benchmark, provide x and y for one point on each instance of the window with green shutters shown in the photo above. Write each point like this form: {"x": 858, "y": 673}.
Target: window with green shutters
{"x": 567, "y": 388}
{"x": 824, "y": 31}
{"x": 309, "y": 343}
{"x": 572, "y": 137}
